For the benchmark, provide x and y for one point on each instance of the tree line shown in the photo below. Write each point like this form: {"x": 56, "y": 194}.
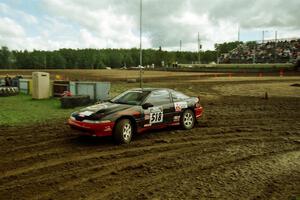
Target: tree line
{"x": 101, "y": 58}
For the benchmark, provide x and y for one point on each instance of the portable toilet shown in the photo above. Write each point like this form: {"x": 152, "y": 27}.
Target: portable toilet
{"x": 40, "y": 85}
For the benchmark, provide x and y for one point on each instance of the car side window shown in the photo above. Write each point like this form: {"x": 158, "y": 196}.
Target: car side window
{"x": 177, "y": 96}
{"x": 159, "y": 97}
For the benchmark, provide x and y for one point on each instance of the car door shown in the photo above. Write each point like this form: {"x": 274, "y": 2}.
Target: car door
{"x": 161, "y": 111}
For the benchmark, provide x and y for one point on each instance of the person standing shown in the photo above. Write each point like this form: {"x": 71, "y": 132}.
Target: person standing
{"x": 8, "y": 81}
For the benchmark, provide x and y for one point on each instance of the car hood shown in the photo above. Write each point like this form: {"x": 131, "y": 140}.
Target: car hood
{"x": 97, "y": 111}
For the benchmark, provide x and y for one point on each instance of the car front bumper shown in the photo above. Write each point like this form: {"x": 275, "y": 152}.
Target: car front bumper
{"x": 92, "y": 129}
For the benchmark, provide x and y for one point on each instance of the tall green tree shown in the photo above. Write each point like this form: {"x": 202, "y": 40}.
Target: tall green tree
{"x": 7, "y": 59}
{"x": 98, "y": 58}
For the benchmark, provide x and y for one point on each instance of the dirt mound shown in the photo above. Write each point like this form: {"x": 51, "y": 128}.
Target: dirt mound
{"x": 243, "y": 148}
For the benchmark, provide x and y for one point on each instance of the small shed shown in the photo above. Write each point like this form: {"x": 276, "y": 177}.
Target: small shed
{"x": 96, "y": 90}
{"x": 25, "y": 86}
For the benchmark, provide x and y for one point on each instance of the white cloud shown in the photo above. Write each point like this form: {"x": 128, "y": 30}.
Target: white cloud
{"x": 90, "y": 40}
{"x": 13, "y": 35}
{"x": 115, "y": 23}
{"x": 13, "y": 13}
{"x": 102, "y": 25}
{"x": 9, "y": 28}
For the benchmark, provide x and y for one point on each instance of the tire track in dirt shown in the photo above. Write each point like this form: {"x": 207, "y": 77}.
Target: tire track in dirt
{"x": 128, "y": 160}
{"x": 193, "y": 144}
{"x": 65, "y": 146}
{"x": 165, "y": 175}
{"x": 75, "y": 157}
{"x": 112, "y": 152}
{"x": 36, "y": 146}
{"x": 158, "y": 181}
{"x": 89, "y": 175}
{"x": 268, "y": 191}
{"x": 170, "y": 139}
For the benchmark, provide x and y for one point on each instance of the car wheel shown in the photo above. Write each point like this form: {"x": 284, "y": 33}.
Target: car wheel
{"x": 123, "y": 131}
{"x": 187, "y": 120}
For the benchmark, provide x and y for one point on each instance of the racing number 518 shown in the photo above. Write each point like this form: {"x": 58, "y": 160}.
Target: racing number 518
{"x": 156, "y": 117}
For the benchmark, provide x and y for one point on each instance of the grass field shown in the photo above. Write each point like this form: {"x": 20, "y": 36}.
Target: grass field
{"x": 23, "y": 110}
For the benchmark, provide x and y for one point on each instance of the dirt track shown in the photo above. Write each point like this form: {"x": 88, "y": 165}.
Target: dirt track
{"x": 244, "y": 147}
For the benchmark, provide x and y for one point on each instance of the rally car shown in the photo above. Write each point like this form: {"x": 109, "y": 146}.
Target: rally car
{"x": 135, "y": 111}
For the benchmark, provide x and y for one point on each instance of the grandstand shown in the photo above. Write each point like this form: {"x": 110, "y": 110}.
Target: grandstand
{"x": 270, "y": 51}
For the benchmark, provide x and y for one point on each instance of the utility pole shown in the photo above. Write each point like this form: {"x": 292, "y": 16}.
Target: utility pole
{"x": 275, "y": 47}
{"x": 254, "y": 55}
{"x": 263, "y": 36}
{"x": 180, "y": 45}
{"x": 141, "y": 53}
{"x": 199, "y": 48}
{"x": 45, "y": 61}
{"x": 239, "y": 34}
{"x": 217, "y": 48}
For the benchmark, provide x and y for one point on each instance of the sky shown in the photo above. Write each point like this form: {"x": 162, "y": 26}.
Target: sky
{"x": 55, "y": 24}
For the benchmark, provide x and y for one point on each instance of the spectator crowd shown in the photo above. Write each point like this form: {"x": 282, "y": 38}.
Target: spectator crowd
{"x": 282, "y": 51}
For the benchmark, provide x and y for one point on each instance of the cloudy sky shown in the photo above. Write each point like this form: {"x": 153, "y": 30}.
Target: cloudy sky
{"x": 54, "y": 24}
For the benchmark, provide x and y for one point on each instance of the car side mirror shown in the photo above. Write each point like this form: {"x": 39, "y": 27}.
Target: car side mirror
{"x": 147, "y": 105}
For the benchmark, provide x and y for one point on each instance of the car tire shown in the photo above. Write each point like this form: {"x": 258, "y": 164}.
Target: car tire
{"x": 187, "y": 119}
{"x": 123, "y": 131}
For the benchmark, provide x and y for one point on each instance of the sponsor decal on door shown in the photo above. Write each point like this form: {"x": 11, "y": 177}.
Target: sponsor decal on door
{"x": 180, "y": 105}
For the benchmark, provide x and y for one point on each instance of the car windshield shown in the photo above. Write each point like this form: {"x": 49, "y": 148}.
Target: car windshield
{"x": 131, "y": 97}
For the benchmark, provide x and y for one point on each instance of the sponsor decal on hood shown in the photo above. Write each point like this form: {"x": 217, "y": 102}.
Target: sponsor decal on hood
{"x": 98, "y": 107}
{"x": 85, "y": 113}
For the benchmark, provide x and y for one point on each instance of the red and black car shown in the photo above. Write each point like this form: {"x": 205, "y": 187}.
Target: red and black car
{"x": 137, "y": 110}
